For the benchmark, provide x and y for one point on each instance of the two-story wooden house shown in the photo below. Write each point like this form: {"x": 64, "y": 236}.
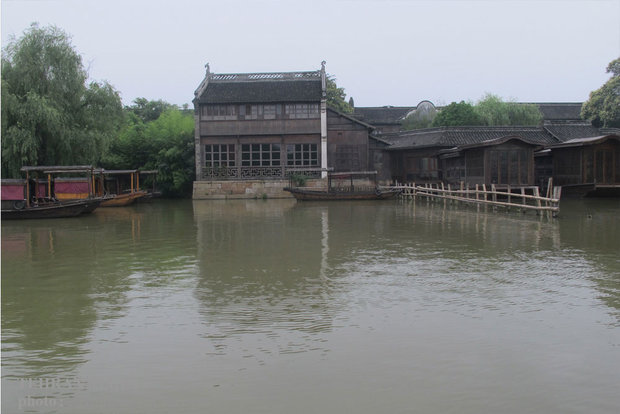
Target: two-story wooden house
{"x": 253, "y": 130}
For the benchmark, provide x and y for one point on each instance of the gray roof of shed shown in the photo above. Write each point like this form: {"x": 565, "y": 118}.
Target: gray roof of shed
{"x": 560, "y": 111}
{"x": 576, "y": 142}
{"x": 564, "y": 132}
{"x": 447, "y": 137}
{"x": 261, "y": 88}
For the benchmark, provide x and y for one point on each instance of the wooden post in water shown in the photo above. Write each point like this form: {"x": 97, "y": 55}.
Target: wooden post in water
{"x": 537, "y": 194}
{"x": 549, "y": 190}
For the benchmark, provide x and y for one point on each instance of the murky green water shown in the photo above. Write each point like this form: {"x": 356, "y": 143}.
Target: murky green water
{"x": 278, "y": 307}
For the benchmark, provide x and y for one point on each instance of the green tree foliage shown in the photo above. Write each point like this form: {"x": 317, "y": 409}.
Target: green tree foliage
{"x": 491, "y": 110}
{"x": 165, "y": 144}
{"x": 336, "y": 97}
{"x": 457, "y": 114}
{"x": 49, "y": 115}
{"x": 603, "y": 107}
{"x": 149, "y": 110}
{"x": 496, "y": 112}
{"x": 173, "y": 134}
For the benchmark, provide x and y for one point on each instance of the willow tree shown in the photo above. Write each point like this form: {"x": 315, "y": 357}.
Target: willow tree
{"x": 50, "y": 113}
{"x": 496, "y": 112}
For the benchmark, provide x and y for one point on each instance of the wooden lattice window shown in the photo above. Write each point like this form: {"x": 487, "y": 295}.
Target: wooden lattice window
{"x": 302, "y": 111}
{"x": 302, "y": 155}
{"x": 348, "y": 158}
{"x": 260, "y": 155}
{"x": 509, "y": 166}
{"x": 220, "y": 155}
{"x": 219, "y": 112}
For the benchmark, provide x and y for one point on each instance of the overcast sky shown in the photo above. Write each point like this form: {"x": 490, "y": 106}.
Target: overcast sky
{"x": 382, "y": 52}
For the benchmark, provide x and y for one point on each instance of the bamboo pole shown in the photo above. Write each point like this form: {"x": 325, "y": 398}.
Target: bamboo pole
{"x": 431, "y": 190}
{"x": 496, "y": 203}
{"x": 492, "y": 192}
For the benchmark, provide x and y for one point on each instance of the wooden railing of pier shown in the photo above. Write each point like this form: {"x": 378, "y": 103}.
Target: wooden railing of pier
{"x": 508, "y": 196}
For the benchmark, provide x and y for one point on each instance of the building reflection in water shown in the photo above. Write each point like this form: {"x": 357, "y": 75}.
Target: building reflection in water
{"x": 264, "y": 275}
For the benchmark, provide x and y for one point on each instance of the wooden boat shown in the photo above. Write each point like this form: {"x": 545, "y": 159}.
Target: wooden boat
{"x": 35, "y": 197}
{"x": 122, "y": 200}
{"x": 360, "y": 185}
{"x": 332, "y": 195}
{"x": 52, "y": 209}
{"x": 152, "y": 192}
{"x": 115, "y": 181}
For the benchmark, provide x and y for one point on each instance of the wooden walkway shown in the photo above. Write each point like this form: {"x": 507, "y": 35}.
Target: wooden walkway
{"x": 522, "y": 198}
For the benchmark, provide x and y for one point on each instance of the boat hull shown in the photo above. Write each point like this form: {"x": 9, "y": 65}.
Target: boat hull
{"x": 123, "y": 200}
{"x": 314, "y": 195}
{"x": 56, "y": 210}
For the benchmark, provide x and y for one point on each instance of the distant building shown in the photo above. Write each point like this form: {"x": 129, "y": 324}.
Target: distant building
{"x": 385, "y": 119}
{"x": 452, "y": 154}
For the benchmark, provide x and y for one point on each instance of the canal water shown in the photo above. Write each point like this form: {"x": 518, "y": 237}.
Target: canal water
{"x": 273, "y": 306}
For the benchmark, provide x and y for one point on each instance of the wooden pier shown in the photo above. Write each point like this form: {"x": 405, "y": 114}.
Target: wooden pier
{"x": 521, "y": 198}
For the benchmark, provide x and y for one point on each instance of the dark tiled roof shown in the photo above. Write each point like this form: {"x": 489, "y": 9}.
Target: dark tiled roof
{"x": 263, "y": 91}
{"x": 261, "y": 87}
{"x": 560, "y": 111}
{"x": 447, "y": 137}
{"x": 576, "y": 142}
{"x": 382, "y": 115}
{"x": 564, "y": 132}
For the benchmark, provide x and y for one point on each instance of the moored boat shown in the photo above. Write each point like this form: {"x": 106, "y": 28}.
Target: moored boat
{"x": 122, "y": 200}
{"x": 122, "y": 187}
{"x": 333, "y": 195}
{"x": 52, "y": 209}
{"x": 360, "y": 185}
{"x": 34, "y": 197}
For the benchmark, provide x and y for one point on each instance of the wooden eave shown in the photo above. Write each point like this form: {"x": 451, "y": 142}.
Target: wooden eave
{"x": 499, "y": 141}
{"x": 584, "y": 142}
{"x": 53, "y": 169}
{"x": 458, "y": 151}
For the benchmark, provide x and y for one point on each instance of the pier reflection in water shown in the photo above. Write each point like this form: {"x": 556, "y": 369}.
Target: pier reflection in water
{"x": 278, "y": 306}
